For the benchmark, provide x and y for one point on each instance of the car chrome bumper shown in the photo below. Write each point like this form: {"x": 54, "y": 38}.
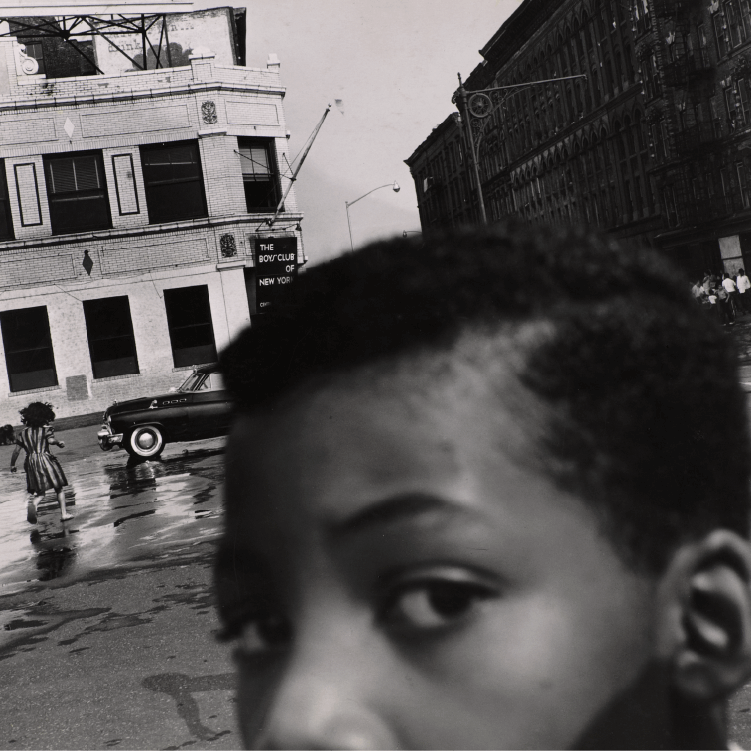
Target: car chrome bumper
{"x": 109, "y": 440}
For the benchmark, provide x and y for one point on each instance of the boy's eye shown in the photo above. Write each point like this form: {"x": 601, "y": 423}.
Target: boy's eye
{"x": 435, "y": 604}
{"x": 262, "y": 635}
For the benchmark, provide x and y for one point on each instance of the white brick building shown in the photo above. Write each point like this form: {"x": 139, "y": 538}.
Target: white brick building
{"x": 159, "y": 183}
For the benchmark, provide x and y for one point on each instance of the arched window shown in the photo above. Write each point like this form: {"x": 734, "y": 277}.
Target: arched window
{"x": 587, "y": 28}
{"x": 618, "y": 66}
{"x": 609, "y": 78}
{"x": 628, "y": 136}
{"x": 628, "y": 57}
{"x": 594, "y": 78}
{"x": 617, "y": 137}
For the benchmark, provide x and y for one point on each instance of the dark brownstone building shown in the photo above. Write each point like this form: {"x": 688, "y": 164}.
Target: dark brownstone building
{"x": 654, "y": 145}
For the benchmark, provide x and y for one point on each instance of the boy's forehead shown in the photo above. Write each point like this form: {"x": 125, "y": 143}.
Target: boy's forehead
{"x": 417, "y": 426}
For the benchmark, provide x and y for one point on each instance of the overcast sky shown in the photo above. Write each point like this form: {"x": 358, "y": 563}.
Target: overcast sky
{"x": 393, "y": 63}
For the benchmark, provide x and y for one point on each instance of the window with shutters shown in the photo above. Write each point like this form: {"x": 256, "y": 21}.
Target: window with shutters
{"x": 740, "y": 173}
{"x": 173, "y": 180}
{"x": 260, "y": 175}
{"x": 719, "y": 34}
{"x": 77, "y": 192}
{"x": 730, "y": 106}
{"x": 6, "y": 220}
{"x": 745, "y": 6}
{"x": 736, "y": 29}
{"x": 703, "y": 45}
{"x": 109, "y": 330}
{"x": 668, "y": 198}
{"x": 744, "y": 101}
{"x": 190, "y": 329}
{"x": 28, "y": 348}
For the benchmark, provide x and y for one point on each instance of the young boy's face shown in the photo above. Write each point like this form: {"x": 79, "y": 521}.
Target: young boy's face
{"x": 423, "y": 588}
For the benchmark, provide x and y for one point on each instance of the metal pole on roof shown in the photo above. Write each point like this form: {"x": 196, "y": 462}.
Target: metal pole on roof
{"x": 165, "y": 26}
{"x": 292, "y": 179}
{"x": 143, "y": 42}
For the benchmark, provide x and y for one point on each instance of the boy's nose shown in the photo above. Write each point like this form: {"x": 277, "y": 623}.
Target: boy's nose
{"x": 311, "y": 714}
{"x": 324, "y": 699}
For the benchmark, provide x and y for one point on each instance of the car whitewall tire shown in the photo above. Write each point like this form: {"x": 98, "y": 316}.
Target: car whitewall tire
{"x": 146, "y": 441}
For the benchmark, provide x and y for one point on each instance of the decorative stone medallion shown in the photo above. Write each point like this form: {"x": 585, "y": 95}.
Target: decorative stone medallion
{"x": 208, "y": 112}
{"x": 29, "y": 65}
{"x": 228, "y": 246}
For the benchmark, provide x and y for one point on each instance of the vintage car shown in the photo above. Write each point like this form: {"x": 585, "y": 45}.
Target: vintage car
{"x": 199, "y": 408}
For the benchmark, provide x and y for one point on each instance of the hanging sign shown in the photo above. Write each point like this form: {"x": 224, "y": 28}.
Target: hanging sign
{"x": 276, "y": 269}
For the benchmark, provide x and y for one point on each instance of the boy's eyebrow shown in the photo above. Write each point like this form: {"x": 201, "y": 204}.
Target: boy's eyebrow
{"x": 392, "y": 509}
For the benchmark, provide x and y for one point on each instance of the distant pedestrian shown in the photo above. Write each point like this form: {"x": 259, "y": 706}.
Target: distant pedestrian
{"x": 724, "y": 308}
{"x": 43, "y": 470}
{"x": 7, "y": 436}
{"x": 697, "y": 290}
{"x": 743, "y": 284}
{"x": 732, "y": 290}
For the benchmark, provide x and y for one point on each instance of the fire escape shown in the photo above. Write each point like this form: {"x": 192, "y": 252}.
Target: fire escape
{"x": 688, "y": 82}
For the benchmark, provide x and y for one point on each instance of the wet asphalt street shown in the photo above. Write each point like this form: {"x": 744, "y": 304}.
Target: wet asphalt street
{"x": 108, "y": 624}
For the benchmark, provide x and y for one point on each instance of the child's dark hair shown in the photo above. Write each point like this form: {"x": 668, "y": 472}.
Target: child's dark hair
{"x": 647, "y": 418}
{"x": 37, "y": 414}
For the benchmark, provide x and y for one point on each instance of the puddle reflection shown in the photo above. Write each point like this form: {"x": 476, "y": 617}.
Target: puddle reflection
{"x": 121, "y": 513}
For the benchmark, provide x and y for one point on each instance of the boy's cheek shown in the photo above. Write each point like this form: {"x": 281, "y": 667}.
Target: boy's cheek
{"x": 531, "y": 649}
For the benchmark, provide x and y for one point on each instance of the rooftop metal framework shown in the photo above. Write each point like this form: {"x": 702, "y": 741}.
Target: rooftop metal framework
{"x": 71, "y": 28}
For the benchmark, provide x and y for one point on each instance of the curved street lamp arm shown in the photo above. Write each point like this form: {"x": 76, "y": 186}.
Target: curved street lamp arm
{"x": 351, "y": 203}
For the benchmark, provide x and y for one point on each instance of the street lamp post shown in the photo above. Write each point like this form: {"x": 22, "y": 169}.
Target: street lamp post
{"x": 475, "y": 106}
{"x": 394, "y": 186}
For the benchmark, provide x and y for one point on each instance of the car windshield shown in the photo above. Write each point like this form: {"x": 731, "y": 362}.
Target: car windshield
{"x": 194, "y": 382}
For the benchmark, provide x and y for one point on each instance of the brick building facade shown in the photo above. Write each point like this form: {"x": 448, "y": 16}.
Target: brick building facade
{"x": 131, "y": 210}
{"x": 653, "y": 145}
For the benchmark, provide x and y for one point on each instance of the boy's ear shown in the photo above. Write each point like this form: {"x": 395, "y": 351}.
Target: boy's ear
{"x": 704, "y": 626}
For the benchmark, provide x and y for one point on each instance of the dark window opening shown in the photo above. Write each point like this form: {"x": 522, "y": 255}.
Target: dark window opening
{"x": 34, "y": 50}
{"x": 77, "y": 192}
{"x": 174, "y": 181}
{"x": 6, "y": 219}
{"x": 260, "y": 176}
{"x": 190, "y": 329}
{"x": 28, "y": 348}
{"x": 250, "y": 289}
{"x": 109, "y": 329}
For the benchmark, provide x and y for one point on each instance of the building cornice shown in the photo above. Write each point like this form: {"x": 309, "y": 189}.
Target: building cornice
{"x": 449, "y": 125}
{"x": 150, "y": 230}
{"x": 114, "y": 97}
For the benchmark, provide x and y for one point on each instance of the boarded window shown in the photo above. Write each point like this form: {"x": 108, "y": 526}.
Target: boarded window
{"x": 6, "y": 221}
{"x": 174, "y": 181}
{"x": 190, "y": 329}
{"x": 110, "y": 333}
{"x": 28, "y": 348}
{"x": 77, "y": 192}
{"x": 260, "y": 178}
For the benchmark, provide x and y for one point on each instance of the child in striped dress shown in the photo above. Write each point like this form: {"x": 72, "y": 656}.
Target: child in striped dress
{"x": 43, "y": 470}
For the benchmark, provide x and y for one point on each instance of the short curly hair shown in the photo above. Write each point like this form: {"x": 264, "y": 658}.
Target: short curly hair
{"x": 646, "y": 416}
{"x": 37, "y": 414}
